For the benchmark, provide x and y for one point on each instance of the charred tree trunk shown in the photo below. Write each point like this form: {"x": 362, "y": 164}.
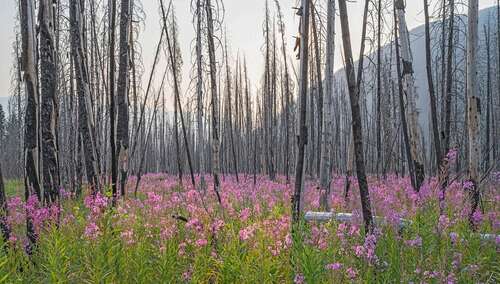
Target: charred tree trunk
{"x": 122, "y": 130}
{"x": 48, "y": 114}
{"x": 356, "y": 119}
{"x": 112, "y": 104}
{"x": 302, "y": 138}
{"x": 430, "y": 82}
{"x": 85, "y": 125}
{"x": 215, "y": 99}
{"x": 473, "y": 112}
{"x": 325, "y": 175}
{"x": 411, "y": 96}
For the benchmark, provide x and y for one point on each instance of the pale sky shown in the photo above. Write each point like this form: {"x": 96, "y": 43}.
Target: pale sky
{"x": 243, "y": 18}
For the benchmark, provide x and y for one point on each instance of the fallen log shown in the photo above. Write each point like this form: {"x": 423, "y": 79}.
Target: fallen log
{"x": 311, "y": 216}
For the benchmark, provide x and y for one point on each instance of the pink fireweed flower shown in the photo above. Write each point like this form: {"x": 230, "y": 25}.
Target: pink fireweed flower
{"x": 299, "y": 279}
{"x": 352, "y": 273}
{"x": 417, "y": 242}
{"x": 128, "y": 236}
{"x": 245, "y": 213}
{"x": 453, "y": 237}
{"x": 443, "y": 223}
{"x": 468, "y": 185}
{"x": 96, "y": 203}
{"x": 477, "y": 217}
{"x": 201, "y": 242}
{"x": 92, "y": 231}
{"x": 247, "y": 233}
{"x": 217, "y": 225}
{"x": 334, "y": 266}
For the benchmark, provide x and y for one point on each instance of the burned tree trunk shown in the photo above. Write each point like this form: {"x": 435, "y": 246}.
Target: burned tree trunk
{"x": 48, "y": 113}
{"x": 122, "y": 130}
{"x": 325, "y": 174}
{"x": 356, "y": 119}
{"x": 85, "y": 124}
{"x": 430, "y": 82}
{"x": 411, "y": 96}
{"x": 215, "y": 99}
{"x": 473, "y": 112}
{"x": 112, "y": 104}
{"x": 4, "y": 226}
{"x": 302, "y": 138}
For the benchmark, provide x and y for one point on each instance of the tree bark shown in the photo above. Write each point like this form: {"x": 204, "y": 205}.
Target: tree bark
{"x": 356, "y": 119}
{"x": 215, "y": 99}
{"x": 122, "y": 129}
{"x": 48, "y": 115}
{"x": 82, "y": 85}
{"x": 325, "y": 175}
{"x": 302, "y": 138}
{"x": 411, "y": 96}
{"x": 473, "y": 112}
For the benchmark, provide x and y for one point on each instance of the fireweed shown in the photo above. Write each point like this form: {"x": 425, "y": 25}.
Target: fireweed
{"x": 176, "y": 233}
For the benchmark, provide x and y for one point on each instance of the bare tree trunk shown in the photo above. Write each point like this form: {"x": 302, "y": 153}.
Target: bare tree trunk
{"x": 4, "y": 226}
{"x": 325, "y": 175}
{"x": 449, "y": 81}
{"x": 199, "y": 93}
{"x": 430, "y": 82}
{"x": 82, "y": 84}
{"x": 402, "y": 111}
{"x": 215, "y": 99}
{"x": 48, "y": 116}
{"x": 302, "y": 138}
{"x": 356, "y": 119}
{"x": 473, "y": 112}
{"x": 411, "y": 96}
{"x": 172, "y": 48}
{"x": 320, "y": 88}
{"x": 379, "y": 89}
{"x": 229, "y": 116}
{"x": 112, "y": 114}
{"x": 31, "y": 119}
{"x": 489, "y": 101}
{"x": 122, "y": 131}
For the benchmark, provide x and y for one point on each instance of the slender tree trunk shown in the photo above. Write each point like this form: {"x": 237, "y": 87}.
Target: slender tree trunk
{"x": 199, "y": 94}
{"x": 320, "y": 88}
{"x": 449, "y": 80}
{"x": 112, "y": 104}
{"x": 4, "y": 226}
{"x": 430, "y": 82}
{"x": 215, "y": 99}
{"x": 48, "y": 115}
{"x": 302, "y": 138}
{"x": 83, "y": 90}
{"x": 402, "y": 111}
{"x": 122, "y": 130}
{"x": 356, "y": 119}
{"x": 411, "y": 96}
{"x": 473, "y": 113}
{"x": 489, "y": 102}
{"x": 325, "y": 175}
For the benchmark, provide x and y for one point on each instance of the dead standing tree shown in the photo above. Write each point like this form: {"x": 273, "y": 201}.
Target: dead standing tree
{"x": 325, "y": 174}
{"x": 48, "y": 112}
{"x": 122, "y": 129}
{"x": 411, "y": 96}
{"x": 302, "y": 138}
{"x": 215, "y": 99}
{"x": 473, "y": 111}
{"x": 356, "y": 118}
{"x": 85, "y": 124}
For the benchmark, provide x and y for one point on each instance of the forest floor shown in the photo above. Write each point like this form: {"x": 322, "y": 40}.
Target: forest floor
{"x": 172, "y": 233}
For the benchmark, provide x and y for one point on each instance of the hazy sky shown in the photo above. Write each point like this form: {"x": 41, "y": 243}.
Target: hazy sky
{"x": 244, "y": 19}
